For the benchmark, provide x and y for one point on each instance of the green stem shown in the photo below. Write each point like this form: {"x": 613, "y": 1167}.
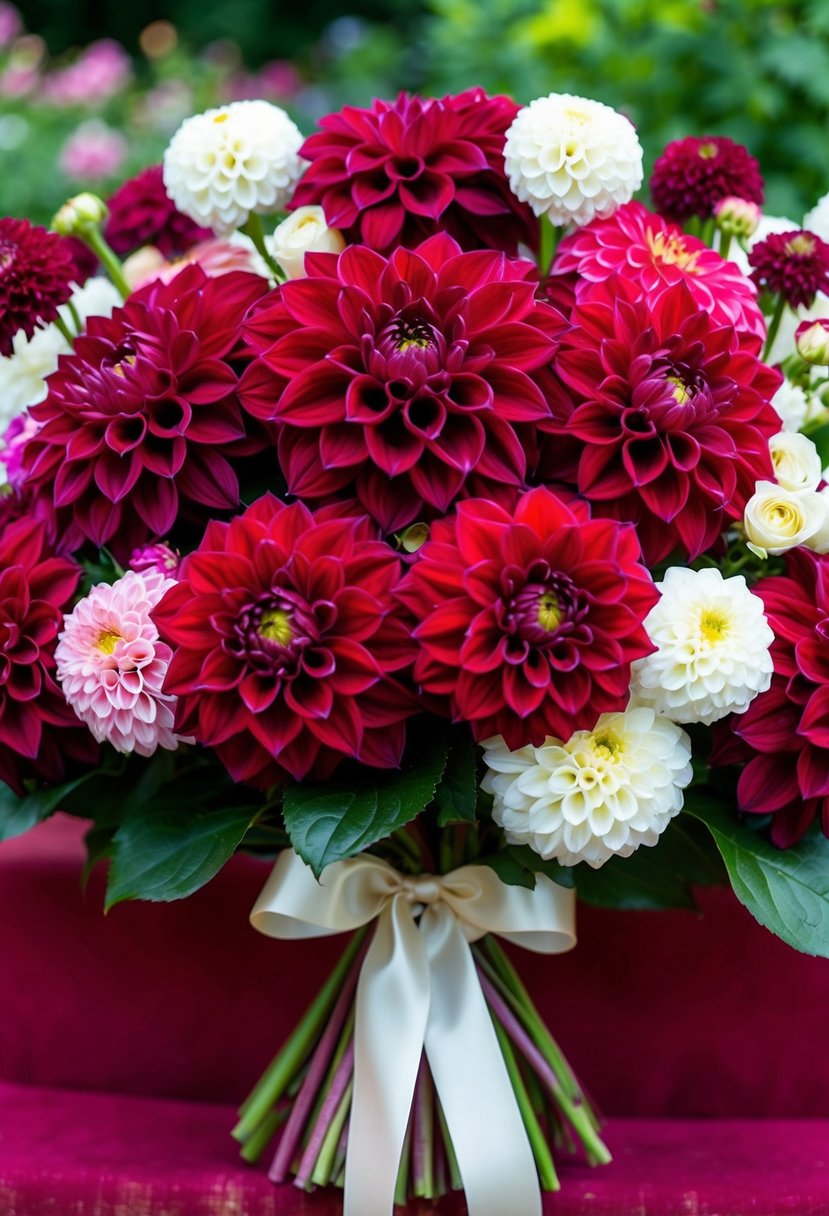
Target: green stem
{"x": 325, "y": 1162}
{"x": 725, "y": 244}
{"x": 111, "y": 264}
{"x": 549, "y": 237}
{"x": 254, "y": 1147}
{"x": 256, "y": 231}
{"x": 424, "y": 1179}
{"x": 708, "y": 231}
{"x": 76, "y": 317}
{"x": 451, "y": 1158}
{"x": 65, "y": 330}
{"x": 401, "y": 1190}
{"x": 774, "y": 324}
{"x": 538, "y": 1141}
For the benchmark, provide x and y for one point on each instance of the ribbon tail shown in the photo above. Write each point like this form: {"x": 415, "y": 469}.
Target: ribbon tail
{"x": 390, "y": 1021}
{"x": 482, "y": 1115}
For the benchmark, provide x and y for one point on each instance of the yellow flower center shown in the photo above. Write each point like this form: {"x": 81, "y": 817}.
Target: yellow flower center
{"x": 799, "y": 245}
{"x": 218, "y": 118}
{"x": 680, "y": 391}
{"x": 549, "y": 612}
{"x": 707, "y": 151}
{"x": 714, "y": 624}
{"x": 275, "y": 625}
{"x": 607, "y": 747}
{"x": 671, "y": 251}
{"x": 107, "y": 641}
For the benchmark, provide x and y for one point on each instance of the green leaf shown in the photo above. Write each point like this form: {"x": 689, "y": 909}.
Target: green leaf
{"x": 820, "y": 438}
{"x": 168, "y": 849}
{"x": 787, "y": 890}
{"x": 327, "y": 823}
{"x": 18, "y": 815}
{"x": 456, "y": 797}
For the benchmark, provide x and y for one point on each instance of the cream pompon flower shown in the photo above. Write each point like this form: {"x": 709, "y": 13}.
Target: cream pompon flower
{"x": 601, "y": 794}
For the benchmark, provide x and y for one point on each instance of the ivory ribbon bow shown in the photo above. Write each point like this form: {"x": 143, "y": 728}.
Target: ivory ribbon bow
{"x": 418, "y": 989}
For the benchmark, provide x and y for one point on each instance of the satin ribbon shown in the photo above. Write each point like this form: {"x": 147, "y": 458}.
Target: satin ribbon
{"x": 418, "y": 990}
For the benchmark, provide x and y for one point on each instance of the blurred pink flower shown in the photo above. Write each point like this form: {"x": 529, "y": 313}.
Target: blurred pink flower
{"x": 215, "y": 258}
{"x": 11, "y": 23}
{"x": 21, "y": 75}
{"x": 101, "y": 71}
{"x": 14, "y": 439}
{"x": 276, "y": 81}
{"x": 93, "y": 152}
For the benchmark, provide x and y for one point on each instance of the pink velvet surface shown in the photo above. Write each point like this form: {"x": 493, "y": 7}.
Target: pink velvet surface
{"x": 102, "y": 1155}
{"x": 662, "y": 1014}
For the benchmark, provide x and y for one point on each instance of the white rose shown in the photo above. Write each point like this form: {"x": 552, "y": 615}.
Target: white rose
{"x": 304, "y": 231}
{"x": 797, "y": 464}
{"x": 777, "y": 519}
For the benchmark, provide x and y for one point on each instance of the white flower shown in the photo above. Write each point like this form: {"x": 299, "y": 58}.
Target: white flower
{"x": 96, "y": 298}
{"x": 712, "y": 641}
{"x": 225, "y": 164}
{"x": 777, "y": 519}
{"x": 797, "y": 464}
{"x": 304, "y": 231}
{"x": 791, "y": 405}
{"x": 572, "y": 159}
{"x": 601, "y": 794}
{"x": 817, "y": 220}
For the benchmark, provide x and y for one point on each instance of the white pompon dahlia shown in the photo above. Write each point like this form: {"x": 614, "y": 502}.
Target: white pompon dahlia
{"x": 601, "y": 794}
{"x": 111, "y": 665}
{"x": 572, "y": 159}
{"x": 791, "y": 405}
{"x": 712, "y": 641}
{"x": 227, "y": 163}
{"x": 817, "y": 220}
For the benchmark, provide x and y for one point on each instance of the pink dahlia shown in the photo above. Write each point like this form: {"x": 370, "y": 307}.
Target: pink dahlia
{"x": 400, "y": 379}
{"x": 669, "y": 416}
{"x": 142, "y": 213}
{"x": 693, "y": 174}
{"x": 529, "y": 619}
{"x": 397, "y": 173}
{"x": 38, "y": 731}
{"x": 794, "y": 265}
{"x": 656, "y": 254}
{"x": 159, "y": 557}
{"x": 783, "y": 737}
{"x": 143, "y": 421}
{"x": 287, "y": 644}
{"x": 36, "y": 273}
{"x": 111, "y": 665}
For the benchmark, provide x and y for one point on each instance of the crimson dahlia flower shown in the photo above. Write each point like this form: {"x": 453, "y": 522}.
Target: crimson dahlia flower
{"x": 693, "y": 174}
{"x": 36, "y": 273}
{"x": 142, "y": 213}
{"x": 529, "y": 618}
{"x": 792, "y": 264}
{"x": 656, "y": 254}
{"x": 784, "y": 734}
{"x": 669, "y": 419}
{"x": 38, "y": 730}
{"x": 286, "y": 644}
{"x": 399, "y": 172}
{"x": 143, "y": 421}
{"x": 399, "y": 379}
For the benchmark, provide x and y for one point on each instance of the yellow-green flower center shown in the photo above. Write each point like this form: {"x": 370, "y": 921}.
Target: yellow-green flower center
{"x": 275, "y": 626}
{"x": 800, "y": 245}
{"x": 671, "y": 251}
{"x": 707, "y": 151}
{"x": 107, "y": 641}
{"x": 714, "y": 624}
{"x": 549, "y": 612}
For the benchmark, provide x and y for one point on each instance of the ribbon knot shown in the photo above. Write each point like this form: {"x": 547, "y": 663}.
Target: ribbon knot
{"x": 419, "y": 991}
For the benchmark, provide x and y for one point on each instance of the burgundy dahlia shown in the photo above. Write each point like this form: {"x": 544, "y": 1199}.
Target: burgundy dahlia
{"x": 794, "y": 265}
{"x": 529, "y": 618}
{"x": 143, "y": 420}
{"x": 693, "y": 174}
{"x": 36, "y": 273}
{"x": 287, "y": 643}
{"x": 784, "y": 734}
{"x": 669, "y": 416}
{"x": 142, "y": 213}
{"x": 38, "y": 730}
{"x": 398, "y": 172}
{"x": 400, "y": 379}
{"x": 655, "y": 254}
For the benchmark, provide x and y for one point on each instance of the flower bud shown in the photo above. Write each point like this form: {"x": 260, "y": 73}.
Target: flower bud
{"x": 796, "y": 461}
{"x": 777, "y": 520}
{"x": 414, "y": 537}
{"x": 304, "y": 231}
{"x": 812, "y": 341}
{"x": 737, "y": 216}
{"x": 80, "y": 214}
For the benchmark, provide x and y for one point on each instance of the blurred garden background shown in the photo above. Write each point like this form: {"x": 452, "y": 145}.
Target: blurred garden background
{"x": 91, "y": 91}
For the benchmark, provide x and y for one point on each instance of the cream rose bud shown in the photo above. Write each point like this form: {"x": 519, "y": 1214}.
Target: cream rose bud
{"x": 812, "y": 341}
{"x": 777, "y": 519}
{"x": 304, "y": 231}
{"x": 797, "y": 465}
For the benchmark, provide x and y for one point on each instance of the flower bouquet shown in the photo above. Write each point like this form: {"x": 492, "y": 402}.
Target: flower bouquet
{"x": 457, "y": 541}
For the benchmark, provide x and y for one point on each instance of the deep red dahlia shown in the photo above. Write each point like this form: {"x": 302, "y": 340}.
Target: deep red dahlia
{"x": 398, "y": 379}
{"x": 38, "y": 730}
{"x": 36, "y": 272}
{"x": 669, "y": 418}
{"x": 530, "y": 618}
{"x": 656, "y": 254}
{"x": 693, "y": 174}
{"x": 792, "y": 264}
{"x": 397, "y": 173}
{"x": 286, "y": 644}
{"x": 143, "y": 420}
{"x": 142, "y": 213}
{"x": 784, "y": 733}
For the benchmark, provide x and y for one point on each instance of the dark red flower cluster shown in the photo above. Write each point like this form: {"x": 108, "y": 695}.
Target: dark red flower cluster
{"x": 38, "y": 730}
{"x": 784, "y": 734}
{"x": 528, "y": 620}
{"x": 693, "y": 174}
{"x": 287, "y": 646}
{"x": 143, "y": 422}
{"x": 142, "y": 213}
{"x": 669, "y": 417}
{"x": 794, "y": 265}
{"x": 397, "y": 173}
{"x": 36, "y": 273}
{"x": 408, "y": 381}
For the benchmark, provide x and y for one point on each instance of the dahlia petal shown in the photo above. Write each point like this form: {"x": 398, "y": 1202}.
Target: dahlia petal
{"x": 208, "y": 479}
{"x": 71, "y": 482}
{"x": 767, "y": 783}
{"x": 156, "y": 505}
{"x": 522, "y": 696}
{"x": 813, "y": 772}
{"x": 315, "y": 397}
{"x": 310, "y": 698}
{"x": 791, "y": 823}
{"x": 380, "y": 226}
{"x": 814, "y": 724}
{"x": 258, "y": 692}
